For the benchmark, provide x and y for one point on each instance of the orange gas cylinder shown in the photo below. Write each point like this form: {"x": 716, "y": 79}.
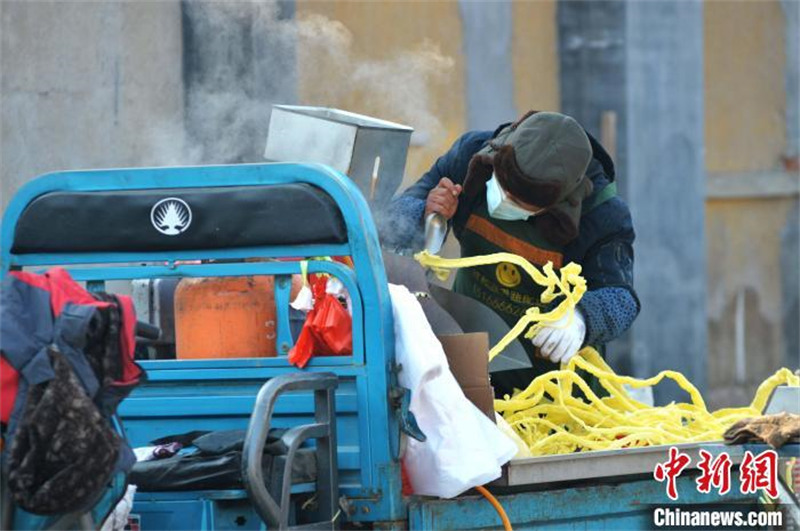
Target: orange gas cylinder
{"x": 226, "y": 317}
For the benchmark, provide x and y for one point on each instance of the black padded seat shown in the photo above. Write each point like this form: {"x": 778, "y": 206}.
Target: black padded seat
{"x": 159, "y": 220}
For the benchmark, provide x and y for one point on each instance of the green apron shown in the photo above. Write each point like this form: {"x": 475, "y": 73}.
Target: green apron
{"x": 504, "y": 287}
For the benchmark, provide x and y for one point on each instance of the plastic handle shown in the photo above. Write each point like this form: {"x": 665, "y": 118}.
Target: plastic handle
{"x": 148, "y": 331}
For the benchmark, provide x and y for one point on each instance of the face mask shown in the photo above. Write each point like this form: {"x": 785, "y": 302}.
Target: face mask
{"x": 500, "y": 206}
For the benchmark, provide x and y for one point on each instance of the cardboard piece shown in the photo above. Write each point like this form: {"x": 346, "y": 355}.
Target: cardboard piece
{"x": 468, "y": 357}
{"x": 483, "y": 398}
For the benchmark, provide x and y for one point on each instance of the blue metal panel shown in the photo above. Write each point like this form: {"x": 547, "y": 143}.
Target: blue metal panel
{"x": 283, "y": 331}
{"x": 625, "y": 505}
{"x": 170, "y": 257}
{"x": 233, "y": 369}
{"x": 367, "y": 427}
{"x": 196, "y": 510}
{"x": 188, "y": 515}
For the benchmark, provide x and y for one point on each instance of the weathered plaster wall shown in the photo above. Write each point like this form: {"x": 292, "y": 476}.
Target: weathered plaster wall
{"x": 535, "y": 55}
{"x": 366, "y": 41}
{"x": 745, "y": 90}
{"x": 83, "y": 83}
{"x": 745, "y": 295}
{"x": 752, "y": 238}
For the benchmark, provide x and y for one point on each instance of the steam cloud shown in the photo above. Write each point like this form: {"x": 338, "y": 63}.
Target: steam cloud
{"x": 399, "y": 85}
{"x": 243, "y": 57}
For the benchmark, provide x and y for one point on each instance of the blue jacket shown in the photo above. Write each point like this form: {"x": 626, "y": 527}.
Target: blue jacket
{"x": 61, "y": 353}
{"x": 604, "y": 246}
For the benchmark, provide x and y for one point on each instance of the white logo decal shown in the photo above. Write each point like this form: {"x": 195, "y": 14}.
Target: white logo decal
{"x": 171, "y": 216}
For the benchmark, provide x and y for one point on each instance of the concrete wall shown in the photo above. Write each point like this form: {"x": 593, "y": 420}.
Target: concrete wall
{"x": 665, "y": 183}
{"x": 239, "y": 59}
{"x": 90, "y": 84}
{"x": 489, "y": 72}
{"x": 83, "y": 83}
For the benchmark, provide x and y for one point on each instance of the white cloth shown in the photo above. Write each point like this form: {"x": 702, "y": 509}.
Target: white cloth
{"x": 463, "y": 447}
{"x": 144, "y": 453}
{"x": 304, "y": 301}
{"x": 118, "y": 518}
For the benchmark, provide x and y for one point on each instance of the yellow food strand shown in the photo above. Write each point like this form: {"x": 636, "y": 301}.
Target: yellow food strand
{"x": 551, "y": 420}
{"x": 568, "y": 283}
{"x": 625, "y": 422}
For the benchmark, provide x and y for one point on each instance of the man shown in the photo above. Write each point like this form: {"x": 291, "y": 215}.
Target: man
{"x": 544, "y": 189}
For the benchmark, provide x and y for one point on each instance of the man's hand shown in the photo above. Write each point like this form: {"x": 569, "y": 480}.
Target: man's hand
{"x": 561, "y": 340}
{"x": 443, "y": 199}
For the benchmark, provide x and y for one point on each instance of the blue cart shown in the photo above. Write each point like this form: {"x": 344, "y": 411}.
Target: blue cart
{"x": 106, "y": 225}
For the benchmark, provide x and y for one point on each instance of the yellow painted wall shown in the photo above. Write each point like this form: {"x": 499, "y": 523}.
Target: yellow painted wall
{"x": 744, "y": 256}
{"x": 745, "y": 132}
{"x": 535, "y": 56}
{"x": 397, "y": 35}
{"x": 391, "y": 37}
{"x": 745, "y": 97}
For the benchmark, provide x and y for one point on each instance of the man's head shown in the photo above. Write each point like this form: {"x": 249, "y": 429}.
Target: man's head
{"x": 542, "y": 159}
{"x": 540, "y": 163}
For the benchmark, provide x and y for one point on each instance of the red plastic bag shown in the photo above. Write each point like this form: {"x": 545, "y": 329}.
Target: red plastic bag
{"x": 327, "y": 330}
{"x": 332, "y": 326}
{"x": 304, "y": 348}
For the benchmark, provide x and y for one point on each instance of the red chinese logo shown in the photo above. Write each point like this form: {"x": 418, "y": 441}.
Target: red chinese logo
{"x": 670, "y": 470}
{"x": 755, "y": 472}
{"x": 716, "y": 473}
{"x": 759, "y": 472}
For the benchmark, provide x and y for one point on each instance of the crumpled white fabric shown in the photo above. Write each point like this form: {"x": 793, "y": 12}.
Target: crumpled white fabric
{"x": 144, "y": 453}
{"x": 118, "y": 518}
{"x": 304, "y": 301}
{"x": 463, "y": 447}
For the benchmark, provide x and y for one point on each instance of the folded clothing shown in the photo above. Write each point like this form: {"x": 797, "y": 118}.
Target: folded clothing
{"x": 775, "y": 430}
{"x": 217, "y": 463}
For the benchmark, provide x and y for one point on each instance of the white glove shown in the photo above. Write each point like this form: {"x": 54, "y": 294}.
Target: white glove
{"x": 561, "y": 340}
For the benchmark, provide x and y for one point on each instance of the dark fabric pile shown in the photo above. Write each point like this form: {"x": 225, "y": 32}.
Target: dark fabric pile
{"x": 214, "y": 461}
{"x": 64, "y": 450}
{"x": 67, "y": 364}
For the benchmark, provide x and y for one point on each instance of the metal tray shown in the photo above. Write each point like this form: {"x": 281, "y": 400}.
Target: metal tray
{"x": 637, "y": 461}
{"x": 604, "y": 463}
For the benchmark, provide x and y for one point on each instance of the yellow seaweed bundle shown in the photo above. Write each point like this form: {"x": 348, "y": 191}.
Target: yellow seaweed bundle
{"x": 551, "y": 419}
